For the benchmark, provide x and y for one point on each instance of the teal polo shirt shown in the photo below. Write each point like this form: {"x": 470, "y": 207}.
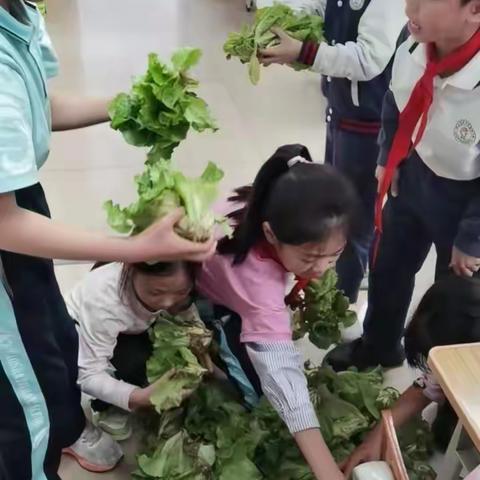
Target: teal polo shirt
{"x": 27, "y": 60}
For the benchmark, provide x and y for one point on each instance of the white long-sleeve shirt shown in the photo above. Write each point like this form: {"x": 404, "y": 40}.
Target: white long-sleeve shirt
{"x": 101, "y": 313}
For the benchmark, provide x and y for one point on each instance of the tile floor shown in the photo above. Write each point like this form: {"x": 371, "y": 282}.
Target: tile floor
{"x": 102, "y": 45}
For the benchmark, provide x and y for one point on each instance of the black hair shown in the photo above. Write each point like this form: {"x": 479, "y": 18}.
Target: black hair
{"x": 304, "y": 202}
{"x": 159, "y": 269}
{"x": 448, "y": 314}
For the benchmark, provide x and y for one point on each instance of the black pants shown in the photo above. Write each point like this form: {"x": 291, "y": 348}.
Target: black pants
{"x": 355, "y": 156}
{"x": 40, "y": 411}
{"x": 427, "y": 211}
{"x": 129, "y": 359}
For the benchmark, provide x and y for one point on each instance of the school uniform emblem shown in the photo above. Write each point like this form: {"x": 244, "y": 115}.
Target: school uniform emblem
{"x": 356, "y": 4}
{"x": 465, "y": 133}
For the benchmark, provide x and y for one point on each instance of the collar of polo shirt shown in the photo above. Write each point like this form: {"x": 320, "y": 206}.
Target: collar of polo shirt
{"x": 11, "y": 25}
{"x": 466, "y": 79}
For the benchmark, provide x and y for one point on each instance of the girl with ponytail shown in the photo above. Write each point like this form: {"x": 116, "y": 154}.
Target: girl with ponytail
{"x": 294, "y": 219}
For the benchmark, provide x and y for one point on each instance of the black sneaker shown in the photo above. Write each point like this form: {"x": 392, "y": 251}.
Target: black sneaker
{"x": 356, "y": 354}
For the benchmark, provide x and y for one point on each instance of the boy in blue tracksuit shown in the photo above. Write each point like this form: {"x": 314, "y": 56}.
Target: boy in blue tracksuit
{"x": 355, "y": 61}
{"x": 430, "y": 158}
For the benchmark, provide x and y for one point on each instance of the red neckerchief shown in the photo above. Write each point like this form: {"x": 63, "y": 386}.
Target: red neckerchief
{"x": 416, "y": 111}
{"x": 265, "y": 250}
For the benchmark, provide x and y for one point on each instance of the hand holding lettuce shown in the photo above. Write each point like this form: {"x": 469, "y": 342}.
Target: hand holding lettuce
{"x": 158, "y": 113}
{"x": 174, "y": 368}
{"x": 246, "y": 44}
{"x": 161, "y": 189}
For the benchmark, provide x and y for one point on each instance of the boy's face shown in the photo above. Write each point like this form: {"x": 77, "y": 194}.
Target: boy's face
{"x": 441, "y": 21}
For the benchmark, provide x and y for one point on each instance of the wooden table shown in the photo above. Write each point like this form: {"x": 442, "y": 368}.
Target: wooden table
{"x": 457, "y": 369}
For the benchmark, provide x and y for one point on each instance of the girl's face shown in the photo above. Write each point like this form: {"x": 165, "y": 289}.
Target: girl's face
{"x": 310, "y": 260}
{"x": 170, "y": 293}
{"x": 443, "y": 22}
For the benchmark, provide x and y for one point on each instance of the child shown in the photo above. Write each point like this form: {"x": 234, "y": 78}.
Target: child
{"x": 40, "y": 401}
{"x": 436, "y": 197}
{"x": 295, "y": 218}
{"x": 114, "y": 306}
{"x": 355, "y": 61}
{"x": 449, "y": 313}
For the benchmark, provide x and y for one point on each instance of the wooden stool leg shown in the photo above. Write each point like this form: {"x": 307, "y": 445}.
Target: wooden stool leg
{"x": 451, "y": 466}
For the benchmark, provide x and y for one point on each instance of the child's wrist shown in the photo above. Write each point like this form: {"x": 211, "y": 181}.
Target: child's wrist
{"x": 308, "y": 53}
{"x": 136, "y": 400}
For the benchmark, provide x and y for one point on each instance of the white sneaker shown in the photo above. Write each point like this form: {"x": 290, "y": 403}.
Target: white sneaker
{"x": 95, "y": 451}
{"x": 115, "y": 421}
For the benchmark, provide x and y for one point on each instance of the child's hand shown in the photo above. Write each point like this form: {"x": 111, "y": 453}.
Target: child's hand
{"x": 463, "y": 264}
{"x": 140, "y": 397}
{"x": 287, "y": 52}
{"x": 160, "y": 242}
{"x": 369, "y": 451}
{"x": 379, "y": 174}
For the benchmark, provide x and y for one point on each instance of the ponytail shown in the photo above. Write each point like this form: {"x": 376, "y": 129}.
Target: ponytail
{"x": 250, "y": 217}
{"x": 299, "y": 200}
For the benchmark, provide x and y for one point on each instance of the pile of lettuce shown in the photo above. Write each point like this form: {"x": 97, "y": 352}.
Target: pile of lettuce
{"x": 162, "y": 106}
{"x": 160, "y": 190}
{"x": 214, "y": 437}
{"x": 324, "y": 312}
{"x": 247, "y": 43}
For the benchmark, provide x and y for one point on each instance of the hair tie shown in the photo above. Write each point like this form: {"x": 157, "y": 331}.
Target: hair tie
{"x": 298, "y": 159}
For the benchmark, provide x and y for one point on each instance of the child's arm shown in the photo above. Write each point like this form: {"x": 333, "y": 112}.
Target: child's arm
{"x": 317, "y": 455}
{"x": 69, "y": 112}
{"x": 378, "y": 32}
{"x": 412, "y": 402}
{"x": 98, "y": 333}
{"x": 28, "y": 233}
{"x": 279, "y": 368}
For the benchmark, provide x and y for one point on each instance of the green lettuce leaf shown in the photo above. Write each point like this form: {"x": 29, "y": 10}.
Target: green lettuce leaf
{"x": 177, "y": 459}
{"x": 324, "y": 312}
{"x": 246, "y": 43}
{"x": 230, "y": 442}
{"x": 162, "y": 106}
{"x": 173, "y": 363}
{"x": 160, "y": 190}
